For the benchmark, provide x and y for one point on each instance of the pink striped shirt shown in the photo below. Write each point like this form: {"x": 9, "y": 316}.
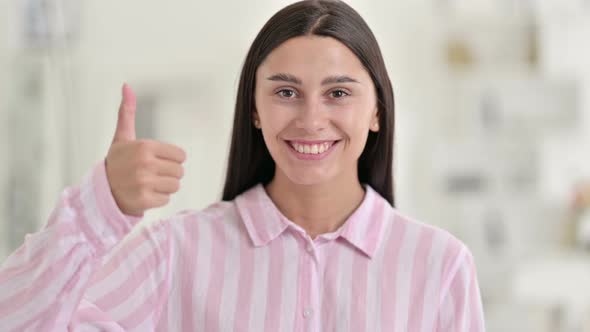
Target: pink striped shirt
{"x": 235, "y": 266}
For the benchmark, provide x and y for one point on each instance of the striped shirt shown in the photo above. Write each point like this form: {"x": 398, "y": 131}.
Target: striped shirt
{"x": 235, "y": 266}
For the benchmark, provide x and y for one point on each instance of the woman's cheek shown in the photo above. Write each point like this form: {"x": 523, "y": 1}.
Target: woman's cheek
{"x": 276, "y": 120}
{"x": 347, "y": 116}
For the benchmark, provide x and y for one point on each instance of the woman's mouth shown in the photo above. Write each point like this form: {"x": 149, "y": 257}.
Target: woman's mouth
{"x": 316, "y": 150}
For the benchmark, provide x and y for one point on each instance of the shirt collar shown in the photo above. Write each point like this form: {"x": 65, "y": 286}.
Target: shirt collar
{"x": 262, "y": 219}
{"x": 363, "y": 228}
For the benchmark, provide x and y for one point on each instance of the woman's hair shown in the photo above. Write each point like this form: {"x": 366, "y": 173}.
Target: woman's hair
{"x": 249, "y": 160}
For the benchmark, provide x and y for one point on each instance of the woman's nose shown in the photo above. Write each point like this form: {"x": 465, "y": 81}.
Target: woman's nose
{"x": 312, "y": 116}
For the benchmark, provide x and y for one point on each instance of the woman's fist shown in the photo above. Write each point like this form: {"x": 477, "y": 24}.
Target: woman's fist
{"x": 142, "y": 173}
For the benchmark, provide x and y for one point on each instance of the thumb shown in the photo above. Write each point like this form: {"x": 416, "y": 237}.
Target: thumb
{"x": 126, "y": 121}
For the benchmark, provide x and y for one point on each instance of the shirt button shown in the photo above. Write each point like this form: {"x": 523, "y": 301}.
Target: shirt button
{"x": 309, "y": 248}
{"x": 307, "y": 312}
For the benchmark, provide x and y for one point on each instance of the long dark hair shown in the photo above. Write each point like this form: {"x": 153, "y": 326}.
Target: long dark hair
{"x": 249, "y": 161}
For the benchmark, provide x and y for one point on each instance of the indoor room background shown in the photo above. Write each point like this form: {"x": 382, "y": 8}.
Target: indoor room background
{"x": 492, "y": 122}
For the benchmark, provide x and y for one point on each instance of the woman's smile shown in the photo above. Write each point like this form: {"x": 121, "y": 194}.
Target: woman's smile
{"x": 311, "y": 150}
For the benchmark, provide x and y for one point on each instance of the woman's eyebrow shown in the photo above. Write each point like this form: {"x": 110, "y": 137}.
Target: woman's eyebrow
{"x": 339, "y": 79}
{"x": 284, "y": 77}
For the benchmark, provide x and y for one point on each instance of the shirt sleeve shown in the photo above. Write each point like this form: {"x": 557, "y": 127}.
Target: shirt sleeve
{"x": 461, "y": 308}
{"x": 77, "y": 274}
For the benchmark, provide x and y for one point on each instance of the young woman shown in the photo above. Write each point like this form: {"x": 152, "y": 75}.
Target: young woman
{"x": 306, "y": 237}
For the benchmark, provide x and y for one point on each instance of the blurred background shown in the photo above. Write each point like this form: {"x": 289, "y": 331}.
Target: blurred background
{"x": 492, "y": 108}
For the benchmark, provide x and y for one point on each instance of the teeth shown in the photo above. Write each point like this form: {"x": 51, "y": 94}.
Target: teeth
{"x": 311, "y": 149}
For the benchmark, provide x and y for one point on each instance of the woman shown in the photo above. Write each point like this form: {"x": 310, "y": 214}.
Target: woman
{"x": 306, "y": 238}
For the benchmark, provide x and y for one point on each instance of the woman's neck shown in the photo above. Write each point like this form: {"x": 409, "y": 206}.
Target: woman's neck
{"x": 318, "y": 209}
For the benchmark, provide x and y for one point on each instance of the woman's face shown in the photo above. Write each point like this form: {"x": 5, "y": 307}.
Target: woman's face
{"x": 315, "y": 104}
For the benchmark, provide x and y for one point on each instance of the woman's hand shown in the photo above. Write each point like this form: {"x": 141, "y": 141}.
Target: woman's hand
{"x": 142, "y": 173}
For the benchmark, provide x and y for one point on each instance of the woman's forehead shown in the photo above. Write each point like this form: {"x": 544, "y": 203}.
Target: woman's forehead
{"x": 312, "y": 58}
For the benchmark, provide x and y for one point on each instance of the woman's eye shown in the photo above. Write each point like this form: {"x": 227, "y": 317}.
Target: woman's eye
{"x": 286, "y": 93}
{"x": 339, "y": 93}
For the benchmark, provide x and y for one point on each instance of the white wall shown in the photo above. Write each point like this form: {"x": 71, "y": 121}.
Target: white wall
{"x": 190, "y": 54}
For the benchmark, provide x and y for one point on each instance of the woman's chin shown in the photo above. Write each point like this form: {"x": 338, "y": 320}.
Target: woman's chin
{"x": 307, "y": 178}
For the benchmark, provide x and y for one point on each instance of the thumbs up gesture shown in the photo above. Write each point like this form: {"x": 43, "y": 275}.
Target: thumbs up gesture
{"x": 142, "y": 173}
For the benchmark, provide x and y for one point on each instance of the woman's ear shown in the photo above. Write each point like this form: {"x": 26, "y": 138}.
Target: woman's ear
{"x": 374, "y": 124}
{"x": 256, "y": 119}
